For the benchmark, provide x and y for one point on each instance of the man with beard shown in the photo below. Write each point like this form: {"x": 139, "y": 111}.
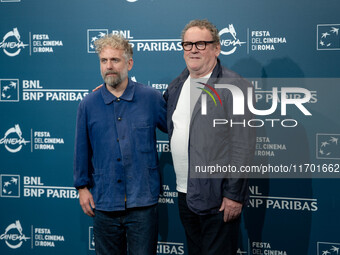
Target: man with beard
{"x": 115, "y": 163}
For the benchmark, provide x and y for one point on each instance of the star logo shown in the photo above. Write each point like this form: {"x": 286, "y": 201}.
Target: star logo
{"x": 92, "y": 36}
{"x": 10, "y": 186}
{"x": 325, "y": 248}
{"x": 328, "y": 146}
{"x": 328, "y": 37}
{"x": 9, "y": 90}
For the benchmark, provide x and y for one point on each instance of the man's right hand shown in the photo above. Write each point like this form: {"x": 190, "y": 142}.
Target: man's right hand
{"x": 86, "y": 201}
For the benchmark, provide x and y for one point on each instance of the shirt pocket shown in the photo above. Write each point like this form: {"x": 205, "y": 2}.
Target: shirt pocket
{"x": 144, "y": 135}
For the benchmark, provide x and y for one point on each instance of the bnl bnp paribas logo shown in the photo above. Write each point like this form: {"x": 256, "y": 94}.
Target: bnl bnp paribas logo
{"x": 12, "y": 44}
{"x": 241, "y": 101}
{"x": 13, "y": 139}
{"x": 92, "y": 36}
{"x": 142, "y": 45}
{"x": 9, "y": 89}
{"x": 10, "y": 186}
{"x": 328, "y": 37}
{"x": 328, "y": 146}
{"x": 228, "y": 40}
{"x": 327, "y": 248}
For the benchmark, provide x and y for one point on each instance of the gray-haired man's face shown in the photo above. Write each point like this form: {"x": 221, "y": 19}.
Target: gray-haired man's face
{"x": 113, "y": 66}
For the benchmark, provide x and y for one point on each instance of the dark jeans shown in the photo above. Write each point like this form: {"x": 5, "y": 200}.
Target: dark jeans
{"x": 135, "y": 230}
{"x": 208, "y": 234}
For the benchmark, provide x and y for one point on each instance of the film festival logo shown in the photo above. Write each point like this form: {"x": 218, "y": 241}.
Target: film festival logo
{"x": 13, "y": 140}
{"x": 12, "y": 44}
{"x": 229, "y": 41}
{"x": 10, "y": 186}
{"x": 92, "y": 36}
{"x": 13, "y": 235}
{"x": 325, "y": 248}
{"x": 328, "y": 146}
{"x": 9, "y": 89}
{"x": 328, "y": 37}
{"x": 239, "y": 251}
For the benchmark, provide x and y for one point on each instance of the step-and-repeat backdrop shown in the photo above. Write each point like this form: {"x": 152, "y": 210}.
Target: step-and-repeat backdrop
{"x": 48, "y": 65}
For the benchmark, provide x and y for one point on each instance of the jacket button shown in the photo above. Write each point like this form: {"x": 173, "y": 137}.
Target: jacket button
{"x": 118, "y": 99}
{"x": 119, "y": 118}
{"x": 118, "y": 159}
{"x": 119, "y": 181}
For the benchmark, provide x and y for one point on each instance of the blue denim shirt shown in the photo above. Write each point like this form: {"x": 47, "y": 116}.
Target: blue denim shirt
{"x": 115, "y": 146}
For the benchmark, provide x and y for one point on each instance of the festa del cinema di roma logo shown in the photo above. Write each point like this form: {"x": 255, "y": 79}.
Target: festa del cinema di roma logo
{"x": 239, "y": 102}
{"x": 228, "y": 40}
{"x": 13, "y": 139}
{"x": 11, "y": 43}
{"x": 14, "y": 236}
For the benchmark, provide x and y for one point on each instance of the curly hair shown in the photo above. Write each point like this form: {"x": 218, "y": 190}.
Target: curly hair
{"x": 116, "y": 42}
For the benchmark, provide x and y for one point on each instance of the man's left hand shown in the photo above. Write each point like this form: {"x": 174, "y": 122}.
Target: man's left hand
{"x": 231, "y": 208}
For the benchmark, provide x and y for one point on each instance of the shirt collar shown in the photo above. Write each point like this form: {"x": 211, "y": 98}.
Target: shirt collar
{"x": 127, "y": 95}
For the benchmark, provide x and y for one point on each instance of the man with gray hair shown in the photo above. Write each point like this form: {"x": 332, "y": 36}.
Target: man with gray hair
{"x": 116, "y": 168}
{"x": 209, "y": 208}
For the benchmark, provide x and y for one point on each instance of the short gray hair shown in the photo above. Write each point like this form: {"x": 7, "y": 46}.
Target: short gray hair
{"x": 204, "y": 23}
{"x": 116, "y": 42}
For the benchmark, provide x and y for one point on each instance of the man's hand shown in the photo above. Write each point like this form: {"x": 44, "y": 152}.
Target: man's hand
{"x": 231, "y": 208}
{"x": 86, "y": 201}
{"x": 95, "y": 89}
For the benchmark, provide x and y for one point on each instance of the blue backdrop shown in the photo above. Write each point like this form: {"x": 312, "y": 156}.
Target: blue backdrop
{"x": 48, "y": 64}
